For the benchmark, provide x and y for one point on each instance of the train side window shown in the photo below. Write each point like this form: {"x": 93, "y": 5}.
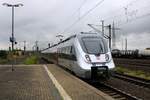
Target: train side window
{"x": 60, "y": 50}
{"x": 73, "y": 53}
{"x": 70, "y": 49}
{"x": 65, "y": 50}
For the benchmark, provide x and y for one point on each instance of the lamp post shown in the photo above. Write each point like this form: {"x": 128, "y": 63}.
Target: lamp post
{"x": 12, "y": 39}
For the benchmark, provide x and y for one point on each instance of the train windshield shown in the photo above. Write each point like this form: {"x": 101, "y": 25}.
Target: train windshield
{"x": 94, "y": 45}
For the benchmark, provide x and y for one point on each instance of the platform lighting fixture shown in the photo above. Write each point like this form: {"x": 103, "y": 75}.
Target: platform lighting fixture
{"x": 12, "y": 39}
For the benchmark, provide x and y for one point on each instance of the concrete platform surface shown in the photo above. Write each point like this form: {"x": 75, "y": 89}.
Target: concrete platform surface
{"x": 76, "y": 88}
{"x": 44, "y": 82}
{"x": 26, "y": 83}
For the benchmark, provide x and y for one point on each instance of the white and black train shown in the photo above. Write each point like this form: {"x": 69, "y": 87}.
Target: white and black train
{"x": 86, "y": 54}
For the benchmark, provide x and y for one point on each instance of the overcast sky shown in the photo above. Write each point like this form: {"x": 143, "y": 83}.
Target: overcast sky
{"x": 42, "y": 20}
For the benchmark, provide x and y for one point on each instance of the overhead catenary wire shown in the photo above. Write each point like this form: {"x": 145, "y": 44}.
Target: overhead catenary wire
{"x": 85, "y": 14}
{"x": 136, "y": 17}
{"x": 78, "y": 9}
{"x": 129, "y": 19}
{"x": 129, "y": 4}
{"x": 139, "y": 17}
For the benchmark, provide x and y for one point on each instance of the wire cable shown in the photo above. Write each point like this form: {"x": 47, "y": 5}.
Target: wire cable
{"x": 117, "y": 10}
{"x": 78, "y": 9}
{"x": 123, "y": 22}
{"x": 85, "y": 14}
{"x": 139, "y": 17}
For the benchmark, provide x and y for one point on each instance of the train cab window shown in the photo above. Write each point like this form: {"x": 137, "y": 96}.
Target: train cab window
{"x": 94, "y": 45}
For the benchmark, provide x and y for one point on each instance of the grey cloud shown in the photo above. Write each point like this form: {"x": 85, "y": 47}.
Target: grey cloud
{"x": 42, "y": 20}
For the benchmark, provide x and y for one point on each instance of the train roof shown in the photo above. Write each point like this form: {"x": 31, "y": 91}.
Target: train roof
{"x": 82, "y": 34}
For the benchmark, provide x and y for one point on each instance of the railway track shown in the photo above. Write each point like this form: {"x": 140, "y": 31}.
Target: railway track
{"x": 137, "y": 64}
{"x": 135, "y": 80}
{"x": 139, "y": 61}
{"x": 134, "y": 62}
{"x": 145, "y": 69}
{"x": 113, "y": 92}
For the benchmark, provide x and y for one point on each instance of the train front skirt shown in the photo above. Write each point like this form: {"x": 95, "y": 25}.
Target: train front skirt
{"x": 99, "y": 72}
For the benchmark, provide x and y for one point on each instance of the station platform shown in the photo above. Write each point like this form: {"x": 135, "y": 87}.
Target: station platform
{"x": 44, "y": 82}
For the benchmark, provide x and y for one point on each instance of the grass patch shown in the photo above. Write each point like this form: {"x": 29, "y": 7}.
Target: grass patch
{"x": 136, "y": 73}
{"x": 31, "y": 60}
{"x": 3, "y": 61}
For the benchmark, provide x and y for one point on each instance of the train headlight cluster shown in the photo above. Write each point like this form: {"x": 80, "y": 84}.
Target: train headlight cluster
{"x": 107, "y": 57}
{"x": 88, "y": 58}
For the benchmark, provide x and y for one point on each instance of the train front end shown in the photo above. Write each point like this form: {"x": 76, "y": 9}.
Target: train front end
{"x": 95, "y": 59}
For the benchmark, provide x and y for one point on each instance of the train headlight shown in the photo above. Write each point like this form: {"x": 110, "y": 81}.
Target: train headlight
{"x": 88, "y": 58}
{"x": 107, "y": 57}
